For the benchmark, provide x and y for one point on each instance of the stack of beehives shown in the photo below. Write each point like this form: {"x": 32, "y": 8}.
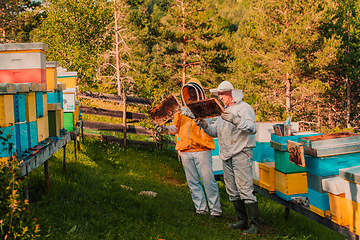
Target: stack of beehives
{"x": 71, "y": 103}
{"x": 22, "y": 66}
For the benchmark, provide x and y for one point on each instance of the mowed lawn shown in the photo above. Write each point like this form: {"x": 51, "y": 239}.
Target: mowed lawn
{"x": 106, "y": 194}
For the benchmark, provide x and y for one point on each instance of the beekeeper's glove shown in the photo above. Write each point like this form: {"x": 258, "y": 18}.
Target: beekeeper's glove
{"x": 228, "y": 116}
{"x": 187, "y": 112}
{"x": 202, "y": 123}
{"x": 159, "y": 128}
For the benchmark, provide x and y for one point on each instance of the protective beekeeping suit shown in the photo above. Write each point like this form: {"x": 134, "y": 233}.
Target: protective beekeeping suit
{"x": 195, "y": 150}
{"x": 236, "y": 130}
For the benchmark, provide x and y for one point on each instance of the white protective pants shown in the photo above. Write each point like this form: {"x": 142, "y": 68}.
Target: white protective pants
{"x": 238, "y": 177}
{"x": 198, "y": 167}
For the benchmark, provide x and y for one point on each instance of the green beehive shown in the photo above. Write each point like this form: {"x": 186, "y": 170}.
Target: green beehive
{"x": 283, "y": 164}
{"x": 68, "y": 121}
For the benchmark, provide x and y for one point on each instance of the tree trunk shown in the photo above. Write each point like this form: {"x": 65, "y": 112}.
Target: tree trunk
{"x": 288, "y": 93}
{"x": 117, "y": 53}
{"x": 124, "y": 116}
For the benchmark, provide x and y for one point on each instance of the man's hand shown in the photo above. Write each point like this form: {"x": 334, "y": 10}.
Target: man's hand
{"x": 228, "y": 116}
{"x": 159, "y": 128}
{"x": 202, "y": 123}
{"x": 187, "y": 112}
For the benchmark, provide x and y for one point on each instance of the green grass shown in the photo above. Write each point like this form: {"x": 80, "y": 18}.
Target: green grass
{"x": 93, "y": 200}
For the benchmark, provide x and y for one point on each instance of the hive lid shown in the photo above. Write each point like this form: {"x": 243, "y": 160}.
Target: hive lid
{"x": 23, "y": 46}
{"x": 66, "y": 74}
{"x": 165, "y": 110}
{"x": 331, "y": 144}
{"x": 206, "y": 108}
{"x": 7, "y": 88}
{"x": 351, "y": 174}
{"x": 334, "y": 185}
{"x": 52, "y": 64}
{"x": 22, "y": 87}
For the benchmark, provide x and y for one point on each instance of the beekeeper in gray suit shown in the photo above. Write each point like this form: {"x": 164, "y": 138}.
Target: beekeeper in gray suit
{"x": 235, "y": 130}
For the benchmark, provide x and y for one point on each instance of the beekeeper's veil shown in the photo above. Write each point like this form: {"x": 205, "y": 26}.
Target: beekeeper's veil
{"x": 195, "y": 84}
{"x": 225, "y": 86}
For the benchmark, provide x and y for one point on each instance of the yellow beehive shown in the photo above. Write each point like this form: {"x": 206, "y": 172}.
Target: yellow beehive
{"x": 51, "y": 75}
{"x": 45, "y": 104}
{"x": 6, "y": 110}
{"x": 267, "y": 176}
{"x": 319, "y": 211}
{"x": 42, "y": 128}
{"x": 291, "y": 183}
{"x": 338, "y": 209}
{"x": 68, "y": 78}
{"x": 354, "y": 216}
{"x": 30, "y": 105}
{"x": 61, "y": 118}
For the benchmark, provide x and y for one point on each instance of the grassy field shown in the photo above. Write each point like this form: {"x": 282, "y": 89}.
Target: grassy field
{"x": 98, "y": 197}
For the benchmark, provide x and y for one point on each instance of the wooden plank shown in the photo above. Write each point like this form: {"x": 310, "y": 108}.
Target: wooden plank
{"x": 113, "y": 127}
{"x": 115, "y": 98}
{"x": 305, "y": 211}
{"x": 111, "y": 113}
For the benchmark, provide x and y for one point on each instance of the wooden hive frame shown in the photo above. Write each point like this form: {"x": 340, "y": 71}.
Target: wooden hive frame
{"x": 206, "y": 108}
{"x": 165, "y": 110}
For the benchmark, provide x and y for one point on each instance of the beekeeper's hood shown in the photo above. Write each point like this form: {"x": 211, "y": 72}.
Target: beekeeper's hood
{"x": 195, "y": 84}
{"x": 225, "y": 86}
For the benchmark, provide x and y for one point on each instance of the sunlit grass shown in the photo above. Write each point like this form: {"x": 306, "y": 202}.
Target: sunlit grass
{"x": 97, "y": 197}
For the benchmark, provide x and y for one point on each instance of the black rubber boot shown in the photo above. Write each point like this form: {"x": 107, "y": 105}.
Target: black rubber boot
{"x": 240, "y": 210}
{"x": 253, "y": 211}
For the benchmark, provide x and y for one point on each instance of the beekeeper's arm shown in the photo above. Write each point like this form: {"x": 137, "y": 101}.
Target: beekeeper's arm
{"x": 245, "y": 121}
{"x": 203, "y": 123}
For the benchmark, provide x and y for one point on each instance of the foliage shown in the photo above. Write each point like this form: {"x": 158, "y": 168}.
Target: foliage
{"x": 18, "y": 18}
{"x": 75, "y": 32}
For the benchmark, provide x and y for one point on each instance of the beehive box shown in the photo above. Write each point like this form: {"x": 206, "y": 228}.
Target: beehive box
{"x": 206, "y": 108}
{"x": 316, "y": 182}
{"x": 67, "y": 78}
{"x": 45, "y": 103}
{"x": 69, "y": 102}
{"x": 68, "y": 121}
{"x": 267, "y": 176}
{"x": 6, "y": 110}
{"x": 54, "y": 123}
{"x": 32, "y": 133}
{"x": 354, "y": 219}
{"x": 23, "y": 63}
{"x": 7, "y": 88}
{"x": 30, "y": 105}
{"x": 22, "y": 137}
{"x": 283, "y": 164}
{"x": 263, "y": 152}
{"x": 39, "y": 104}
{"x": 8, "y": 133}
{"x": 319, "y": 211}
{"x": 165, "y": 110}
{"x": 290, "y": 185}
{"x": 19, "y": 108}
{"x": 280, "y": 142}
{"x": 256, "y": 173}
{"x": 320, "y": 202}
{"x": 327, "y": 166}
{"x": 51, "y": 75}
{"x": 338, "y": 208}
{"x": 42, "y": 128}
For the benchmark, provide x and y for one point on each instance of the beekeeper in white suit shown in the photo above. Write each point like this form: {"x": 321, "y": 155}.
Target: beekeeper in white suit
{"x": 235, "y": 130}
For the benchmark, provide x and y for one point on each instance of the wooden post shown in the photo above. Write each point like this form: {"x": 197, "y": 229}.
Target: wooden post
{"x": 75, "y": 148}
{"x": 78, "y": 142}
{"x": 82, "y": 132}
{"x": 124, "y": 115}
{"x": 64, "y": 160}
{"x": 46, "y": 167}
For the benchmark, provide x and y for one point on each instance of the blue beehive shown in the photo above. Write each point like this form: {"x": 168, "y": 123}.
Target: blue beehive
{"x": 39, "y": 104}
{"x": 327, "y": 166}
{"x": 55, "y": 97}
{"x": 263, "y": 152}
{"x": 22, "y": 138}
{"x": 32, "y": 134}
{"x": 6, "y": 132}
{"x": 319, "y": 200}
{"x": 19, "y": 108}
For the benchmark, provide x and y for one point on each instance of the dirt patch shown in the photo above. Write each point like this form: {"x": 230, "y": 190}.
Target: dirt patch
{"x": 174, "y": 181}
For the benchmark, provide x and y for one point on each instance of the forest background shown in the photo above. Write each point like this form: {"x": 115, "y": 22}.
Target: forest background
{"x": 291, "y": 58}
